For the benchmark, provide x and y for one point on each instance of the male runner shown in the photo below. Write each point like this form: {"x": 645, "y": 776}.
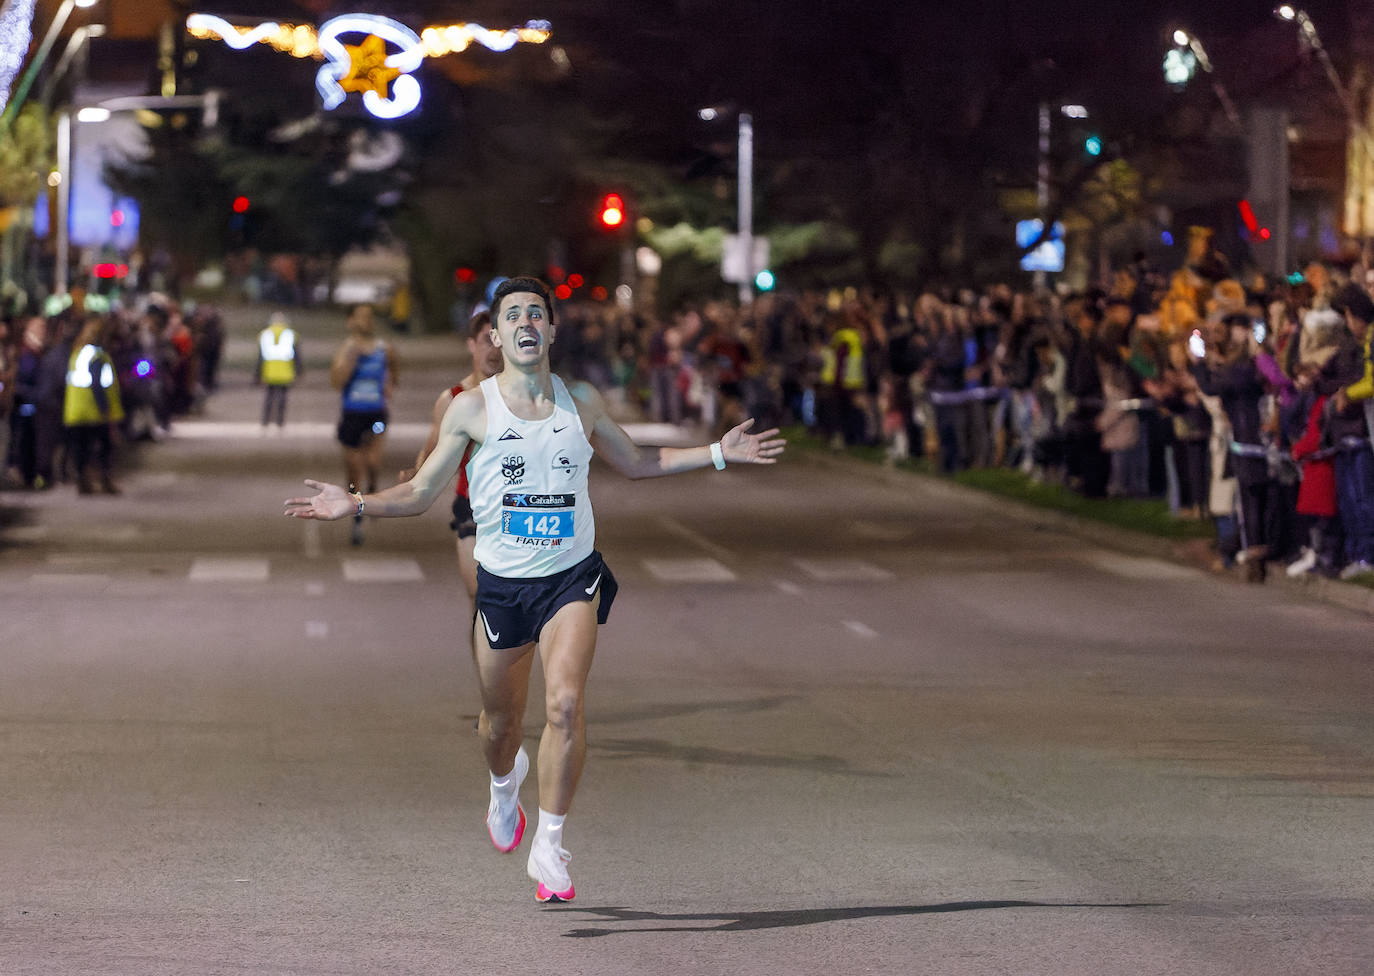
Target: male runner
{"x": 364, "y": 371}
{"x": 540, "y": 581}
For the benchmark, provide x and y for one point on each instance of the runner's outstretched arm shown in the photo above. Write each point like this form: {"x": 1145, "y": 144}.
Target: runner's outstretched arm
{"x": 466, "y": 413}
{"x": 633, "y": 461}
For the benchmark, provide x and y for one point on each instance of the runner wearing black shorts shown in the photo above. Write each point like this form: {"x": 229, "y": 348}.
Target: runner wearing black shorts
{"x": 544, "y": 585}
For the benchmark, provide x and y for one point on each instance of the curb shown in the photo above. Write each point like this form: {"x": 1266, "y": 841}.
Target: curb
{"x": 1334, "y": 592}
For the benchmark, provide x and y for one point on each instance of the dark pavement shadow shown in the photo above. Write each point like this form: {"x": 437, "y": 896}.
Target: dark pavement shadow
{"x": 754, "y": 921}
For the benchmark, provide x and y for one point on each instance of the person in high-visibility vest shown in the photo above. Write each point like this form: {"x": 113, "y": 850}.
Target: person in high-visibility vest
{"x": 91, "y": 407}
{"x": 279, "y": 364}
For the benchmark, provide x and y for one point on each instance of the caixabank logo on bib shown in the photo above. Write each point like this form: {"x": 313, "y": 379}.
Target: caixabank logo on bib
{"x": 513, "y": 468}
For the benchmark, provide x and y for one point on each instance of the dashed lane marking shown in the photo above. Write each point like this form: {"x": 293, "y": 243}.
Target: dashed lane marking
{"x": 382, "y": 570}
{"x": 229, "y": 570}
{"x": 860, "y": 629}
{"x": 87, "y": 580}
{"x": 788, "y": 587}
{"x": 689, "y": 570}
{"x": 312, "y": 539}
{"x": 314, "y": 588}
{"x": 842, "y": 570}
{"x": 28, "y": 533}
{"x": 1139, "y": 567}
{"x": 316, "y": 629}
{"x": 879, "y": 531}
{"x": 665, "y": 435}
{"x": 695, "y": 538}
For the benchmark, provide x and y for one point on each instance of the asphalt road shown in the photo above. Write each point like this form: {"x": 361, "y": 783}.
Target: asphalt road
{"x": 840, "y": 722}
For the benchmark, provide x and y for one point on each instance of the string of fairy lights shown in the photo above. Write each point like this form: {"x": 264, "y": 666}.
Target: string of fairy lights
{"x": 302, "y": 40}
{"x": 379, "y": 65}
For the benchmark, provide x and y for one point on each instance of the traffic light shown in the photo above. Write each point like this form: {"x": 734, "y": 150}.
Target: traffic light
{"x": 1092, "y": 145}
{"x": 612, "y": 211}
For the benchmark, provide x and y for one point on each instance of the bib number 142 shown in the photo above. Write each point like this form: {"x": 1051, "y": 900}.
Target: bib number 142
{"x": 556, "y": 525}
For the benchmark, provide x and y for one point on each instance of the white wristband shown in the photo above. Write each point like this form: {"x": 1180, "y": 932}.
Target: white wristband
{"x": 717, "y": 456}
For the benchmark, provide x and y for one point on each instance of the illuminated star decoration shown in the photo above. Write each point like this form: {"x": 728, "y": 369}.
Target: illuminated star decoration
{"x": 367, "y": 68}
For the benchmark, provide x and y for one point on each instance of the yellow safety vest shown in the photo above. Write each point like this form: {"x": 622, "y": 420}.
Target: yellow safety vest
{"x": 90, "y": 366}
{"x": 1363, "y": 388}
{"x": 827, "y": 366}
{"x": 853, "y": 378}
{"x": 277, "y": 344}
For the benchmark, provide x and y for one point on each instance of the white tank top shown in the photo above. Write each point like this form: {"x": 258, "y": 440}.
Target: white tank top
{"x": 528, "y": 486}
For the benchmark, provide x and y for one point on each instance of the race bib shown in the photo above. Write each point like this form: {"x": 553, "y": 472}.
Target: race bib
{"x": 543, "y": 521}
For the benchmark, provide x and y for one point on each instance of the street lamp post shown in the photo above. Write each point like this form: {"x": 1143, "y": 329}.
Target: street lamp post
{"x": 1359, "y": 131}
{"x": 744, "y": 205}
{"x": 1186, "y": 40}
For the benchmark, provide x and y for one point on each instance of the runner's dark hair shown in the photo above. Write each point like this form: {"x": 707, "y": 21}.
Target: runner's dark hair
{"x": 527, "y": 283}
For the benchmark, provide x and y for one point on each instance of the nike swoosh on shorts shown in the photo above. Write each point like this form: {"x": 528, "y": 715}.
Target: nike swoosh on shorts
{"x": 589, "y": 590}
{"x": 487, "y": 627}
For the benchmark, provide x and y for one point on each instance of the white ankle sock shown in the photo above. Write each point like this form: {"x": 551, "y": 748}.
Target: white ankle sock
{"x": 504, "y": 784}
{"x": 551, "y": 827}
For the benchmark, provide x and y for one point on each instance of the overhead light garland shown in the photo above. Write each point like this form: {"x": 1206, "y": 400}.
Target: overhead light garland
{"x": 384, "y": 79}
{"x": 302, "y": 40}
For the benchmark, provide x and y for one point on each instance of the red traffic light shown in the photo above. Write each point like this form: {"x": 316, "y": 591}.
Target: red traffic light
{"x": 612, "y": 210}
{"x": 241, "y": 204}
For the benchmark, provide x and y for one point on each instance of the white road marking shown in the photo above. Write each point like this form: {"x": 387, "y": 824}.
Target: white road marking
{"x": 878, "y": 531}
{"x": 1139, "y": 567}
{"x": 246, "y": 430}
{"x": 860, "y": 629}
{"x": 312, "y": 539}
{"x": 29, "y": 533}
{"x": 314, "y": 589}
{"x": 788, "y": 587}
{"x": 158, "y": 479}
{"x": 665, "y": 435}
{"x": 230, "y": 570}
{"x": 689, "y": 570}
{"x": 316, "y": 629}
{"x": 114, "y": 533}
{"x": 842, "y": 570}
{"x": 71, "y": 579}
{"x": 695, "y": 538}
{"x": 382, "y": 570}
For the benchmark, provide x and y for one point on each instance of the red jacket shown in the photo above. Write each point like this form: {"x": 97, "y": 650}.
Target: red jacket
{"x": 1317, "y": 493}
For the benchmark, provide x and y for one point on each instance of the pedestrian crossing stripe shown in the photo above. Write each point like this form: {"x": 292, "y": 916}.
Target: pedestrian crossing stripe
{"x": 229, "y": 570}
{"x": 842, "y": 570}
{"x": 689, "y": 570}
{"x": 382, "y": 571}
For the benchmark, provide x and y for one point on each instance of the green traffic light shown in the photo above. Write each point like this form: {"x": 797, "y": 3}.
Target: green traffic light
{"x": 1093, "y": 146}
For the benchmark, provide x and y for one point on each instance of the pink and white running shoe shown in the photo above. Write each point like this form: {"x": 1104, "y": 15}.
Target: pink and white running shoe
{"x": 505, "y": 815}
{"x": 548, "y": 865}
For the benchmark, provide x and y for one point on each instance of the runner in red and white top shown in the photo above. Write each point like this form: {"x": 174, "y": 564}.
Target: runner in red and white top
{"x": 486, "y": 361}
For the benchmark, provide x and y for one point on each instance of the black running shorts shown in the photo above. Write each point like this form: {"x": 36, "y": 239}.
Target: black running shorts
{"x": 463, "y": 522}
{"x": 512, "y": 612}
{"x": 357, "y": 427}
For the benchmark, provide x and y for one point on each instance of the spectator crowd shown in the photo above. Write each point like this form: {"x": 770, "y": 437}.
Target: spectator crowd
{"x": 77, "y": 383}
{"x": 1246, "y": 402}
